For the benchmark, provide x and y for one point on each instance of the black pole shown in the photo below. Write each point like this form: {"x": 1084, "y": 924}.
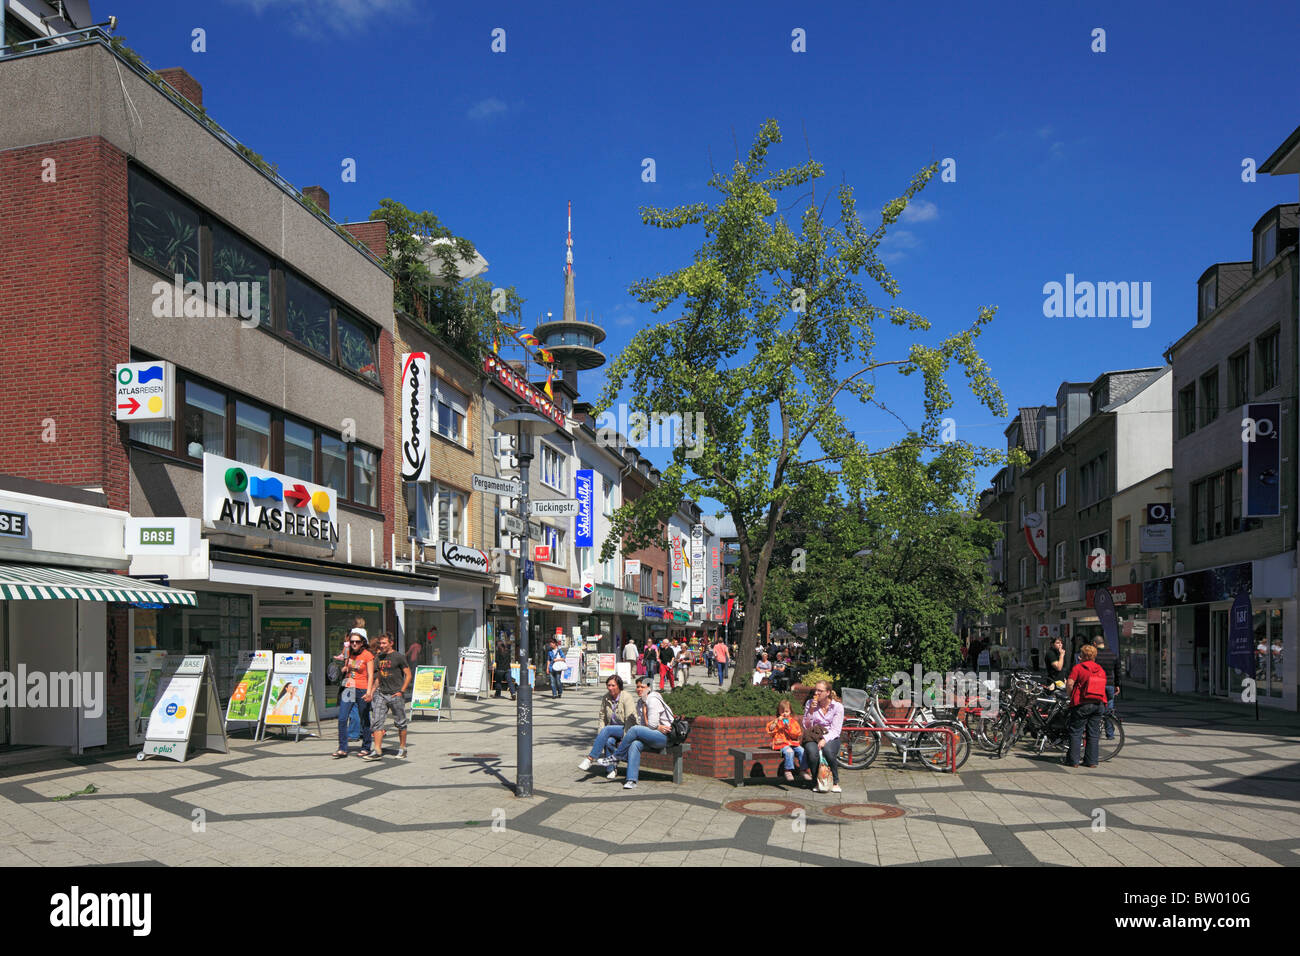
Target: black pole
{"x": 524, "y": 712}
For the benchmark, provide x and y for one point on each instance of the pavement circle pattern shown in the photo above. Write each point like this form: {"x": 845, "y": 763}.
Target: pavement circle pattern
{"x": 864, "y": 811}
{"x": 764, "y": 808}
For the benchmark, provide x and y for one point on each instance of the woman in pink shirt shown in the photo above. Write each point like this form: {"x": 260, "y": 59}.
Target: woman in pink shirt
{"x": 720, "y": 659}
{"x": 824, "y": 711}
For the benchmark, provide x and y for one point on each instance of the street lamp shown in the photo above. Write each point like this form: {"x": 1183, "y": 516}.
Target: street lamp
{"x": 524, "y": 424}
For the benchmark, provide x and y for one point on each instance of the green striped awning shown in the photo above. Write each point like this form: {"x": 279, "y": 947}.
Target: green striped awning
{"x": 23, "y": 582}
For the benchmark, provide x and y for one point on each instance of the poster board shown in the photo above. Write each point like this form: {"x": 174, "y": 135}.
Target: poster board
{"x": 146, "y": 677}
{"x": 469, "y": 671}
{"x": 532, "y": 674}
{"x": 624, "y": 670}
{"x": 289, "y": 702}
{"x": 187, "y": 714}
{"x": 248, "y": 696}
{"x": 607, "y": 665}
{"x": 427, "y": 689}
{"x": 572, "y": 672}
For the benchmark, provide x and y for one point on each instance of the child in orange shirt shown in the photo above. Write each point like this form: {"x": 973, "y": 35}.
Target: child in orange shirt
{"x": 786, "y": 737}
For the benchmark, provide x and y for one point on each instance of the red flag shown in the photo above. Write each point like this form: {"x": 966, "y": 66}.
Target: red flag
{"x": 726, "y": 618}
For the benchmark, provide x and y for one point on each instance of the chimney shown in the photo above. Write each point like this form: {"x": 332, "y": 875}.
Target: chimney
{"x": 184, "y": 84}
{"x": 319, "y": 196}
{"x": 373, "y": 234}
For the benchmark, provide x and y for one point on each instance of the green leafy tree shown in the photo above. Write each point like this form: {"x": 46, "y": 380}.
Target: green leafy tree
{"x": 466, "y": 313}
{"x": 776, "y": 332}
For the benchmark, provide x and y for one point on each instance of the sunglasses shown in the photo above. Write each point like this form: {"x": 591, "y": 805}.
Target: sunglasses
{"x": 354, "y": 642}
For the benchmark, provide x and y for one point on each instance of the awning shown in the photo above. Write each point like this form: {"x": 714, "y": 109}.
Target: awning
{"x": 21, "y": 582}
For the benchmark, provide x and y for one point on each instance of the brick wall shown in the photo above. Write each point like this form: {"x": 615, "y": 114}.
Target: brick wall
{"x": 63, "y": 269}
{"x": 184, "y": 84}
{"x": 374, "y": 234}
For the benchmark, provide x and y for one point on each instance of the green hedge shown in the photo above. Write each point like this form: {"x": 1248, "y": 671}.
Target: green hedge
{"x": 746, "y": 700}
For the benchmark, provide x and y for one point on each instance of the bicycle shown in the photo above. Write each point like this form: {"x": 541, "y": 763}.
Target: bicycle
{"x": 1042, "y": 712}
{"x": 914, "y": 734}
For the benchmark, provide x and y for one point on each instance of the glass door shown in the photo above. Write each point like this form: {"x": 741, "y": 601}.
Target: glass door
{"x": 1219, "y": 653}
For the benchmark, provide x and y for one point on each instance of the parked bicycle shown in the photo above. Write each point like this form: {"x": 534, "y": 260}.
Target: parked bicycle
{"x": 916, "y": 734}
{"x": 1041, "y": 715}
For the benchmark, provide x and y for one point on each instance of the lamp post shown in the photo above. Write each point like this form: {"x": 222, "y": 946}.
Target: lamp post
{"x": 524, "y": 424}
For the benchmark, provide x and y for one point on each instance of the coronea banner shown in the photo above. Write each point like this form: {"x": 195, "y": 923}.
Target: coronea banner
{"x": 414, "y": 405}
{"x": 583, "y": 481}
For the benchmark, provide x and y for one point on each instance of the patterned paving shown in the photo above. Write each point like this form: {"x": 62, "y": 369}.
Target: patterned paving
{"x": 1196, "y": 784}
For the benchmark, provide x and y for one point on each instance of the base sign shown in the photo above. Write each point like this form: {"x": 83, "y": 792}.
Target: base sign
{"x": 187, "y": 713}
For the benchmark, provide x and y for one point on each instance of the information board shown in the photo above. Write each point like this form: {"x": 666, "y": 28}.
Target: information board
{"x": 427, "y": 689}
{"x": 187, "y": 713}
{"x": 469, "y": 671}
{"x": 146, "y": 674}
{"x": 249, "y": 692}
{"x": 289, "y": 701}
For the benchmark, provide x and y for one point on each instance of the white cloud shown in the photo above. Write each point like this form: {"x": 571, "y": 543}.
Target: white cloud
{"x": 893, "y": 247}
{"x": 485, "y": 109}
{"x": 920, "y": 211}
{"x": 315, "y": 17}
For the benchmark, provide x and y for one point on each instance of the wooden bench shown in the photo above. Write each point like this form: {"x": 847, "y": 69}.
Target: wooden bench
{"x": 743, "y": 755}
{"x": 675, "y": 752}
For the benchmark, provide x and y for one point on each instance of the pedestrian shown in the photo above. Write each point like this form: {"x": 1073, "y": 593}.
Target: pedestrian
{"x": 786, "y": 737}
{"x": 358, "y": 676}
{"x": 393, "y": 677}
{"x": 554, "y": 657}
{"x": 501, "y": 670}
{"x": 720, "y": 658}
{"x": 1108, "y": 661}
{"x": 708, "y": 659}
{"x": 653, "y": 722}
{"x": 825, "y": 712}
{"x": 651, "y": 655}
{"x": 682, "y": 662}
{"x": 1055, "y": 664}
{"x": 630, "y": 651}
{"x": 1086, "y": 686}
{"x": 617, "y": 713}
{"x": 667, "y": 652}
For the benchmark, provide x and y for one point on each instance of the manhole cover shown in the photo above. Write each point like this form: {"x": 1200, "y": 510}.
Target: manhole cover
{"x": 763, "y": 808}
{"x": 864, "y": 811}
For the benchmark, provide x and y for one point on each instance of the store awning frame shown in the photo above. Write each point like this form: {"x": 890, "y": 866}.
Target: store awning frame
{"x": 40, "y": 582}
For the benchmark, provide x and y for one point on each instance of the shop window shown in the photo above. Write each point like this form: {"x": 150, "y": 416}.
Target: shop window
{"x": 163, "y": 228}
{"x": 307, "y": 315}
{"x": 1269, "y": 651}
{"x": 234, "y": 260}
{"x": 365, "y": 477}
{"x": 252, "y": 435}
{"x": 357, "y": 346}
{"x": 299, "y": 450}
{"x": 204, "y": 420}
{"x": 334, "y": 464}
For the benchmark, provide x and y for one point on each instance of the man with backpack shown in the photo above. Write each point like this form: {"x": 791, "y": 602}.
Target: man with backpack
{"x": 1086, "y": 686}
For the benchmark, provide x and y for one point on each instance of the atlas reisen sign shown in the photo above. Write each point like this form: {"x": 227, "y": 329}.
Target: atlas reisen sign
{"x": 242, "y": 499}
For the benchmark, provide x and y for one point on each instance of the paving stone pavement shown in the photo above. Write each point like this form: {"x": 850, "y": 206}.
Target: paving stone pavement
{"x": 1197, "y": 784}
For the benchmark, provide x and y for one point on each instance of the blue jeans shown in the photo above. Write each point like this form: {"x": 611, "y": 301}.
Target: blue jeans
{"x": 359, "y": 707}
{"x": 813, "y": 755}
{"x": 790, "y": 754}
{"x": 557, "y": 688}
{"x": 722, "y": 671}
{"x": 1085, "y": 715}
{"x": 634, "y": 741}
{"x": 606, "y": 740}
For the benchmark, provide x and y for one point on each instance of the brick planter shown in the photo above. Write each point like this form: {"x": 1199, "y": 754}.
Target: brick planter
{"x": 711, "y": 737}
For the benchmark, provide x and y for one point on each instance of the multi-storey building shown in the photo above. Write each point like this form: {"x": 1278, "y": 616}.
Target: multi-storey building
{"x": 1234, "y": 485}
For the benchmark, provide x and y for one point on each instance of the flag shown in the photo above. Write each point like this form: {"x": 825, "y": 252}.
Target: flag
{"x": 496, "y": 346}
{"x": 529, "y": 339}
{"x": 547, "y": 389}
{"x": 546, "y": 357}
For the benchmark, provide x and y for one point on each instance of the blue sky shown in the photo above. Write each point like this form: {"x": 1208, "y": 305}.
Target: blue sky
{"x": 1115, "y": 166}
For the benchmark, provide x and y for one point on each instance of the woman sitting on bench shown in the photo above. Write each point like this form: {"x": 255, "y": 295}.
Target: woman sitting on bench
{"x": 653, "y": 722}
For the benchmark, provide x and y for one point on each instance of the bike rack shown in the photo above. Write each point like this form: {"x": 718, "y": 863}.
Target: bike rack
{"x": 895, "y": 724}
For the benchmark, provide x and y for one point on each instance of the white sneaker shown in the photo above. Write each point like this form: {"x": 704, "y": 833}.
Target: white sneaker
{"x": 613, "y": 774}
{"x": 586, "y": 764}
{"x": 605, "y": 762}
{"x": 630, "y": 785}
{"x": 836, "y": 789}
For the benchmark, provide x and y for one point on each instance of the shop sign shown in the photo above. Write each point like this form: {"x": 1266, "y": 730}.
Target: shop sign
{"x": 14, "y": 524}
{"x": 541, "y": 552}
{"x": 698, "y": 569}
{"x": 715, "y": 573}
{"x": 1159, "y": 512}
{"x": 1119, "y": 593}
{"x": 458, "y": 556}
{"x": 631, "y": 604}
{"x": 602, "y": 599}
{"x": 414, "y": 404}
{"x": 632, "y": 567}
{"x": 1199, "y": 587}
{"x": 146, "y": 392}
{"x": 165, "y": 536}
{"x": 1261, "y": 461}
{"x": 1156, "y": 539}
{"x": 678, "y": 617}
{"x": 1036, "y": 535}
{"x": 567, "y": 594}
{"x": 241, "y": 499}
{"x": 678, "y": 571}
{"x": 583, "y": 480}
{"x": 514, "y": 383}
{"x": 652, "y": 613}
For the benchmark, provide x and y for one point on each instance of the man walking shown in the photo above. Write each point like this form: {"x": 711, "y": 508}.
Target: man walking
{"x": 666, "y": 654}
{"x": 720, "y": 658}
{"x": 1108, "y": 660}
{"x": 393, "y": 675}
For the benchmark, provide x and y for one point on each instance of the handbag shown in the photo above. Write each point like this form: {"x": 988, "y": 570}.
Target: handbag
{"x": 813, "y": 733}
{"x": 824, "y": 776}
{"x": 558, "y": 665}
{"x": 678, "y": 727}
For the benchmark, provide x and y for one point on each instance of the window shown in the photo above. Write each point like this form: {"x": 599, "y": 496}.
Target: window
{"x": 365, "y": 477}
{"x": 1216, "y": 506}
{"x": 1125, "y": 533}
{"x": 1093, "y": 481}
{"x": 1024, "y": 572}
{"x": 1040, "y": 497}
{"x": 646, "y": 584}
{"x": 452, "y": 407}
{"x": 307, "y": 315}
{"x": 234, "y": 260}
{"x": 299, "y": 450}
{"x": 1094, "y": 555}
{"x": 1038, "y": 572}
{"x": 205, "y": 420}
{"x": 1186, "y": 411}
{"x": 1209, "y": 396}
{"x": 1266, "y": 246}
{"x": 1209, "y": 295}
{"x": 659, "y": 586}
{"x": 1239, "y": 379}
{"x": 1060, "y": 488}
{"x": 334, "y": 464}
{"x": 1060, "y": 561}
{"x": 1022, "y": 511}
{"x": 585, "y": 563}
{"x": 449, "y": 506}
{"x": 357, "y": 346}
{"x": 1269, "y": 645}
{"x": 157, "y": 434}
{"x": 252, "y": 435}
{"x": 1266, "y": 368}
{"x": 607, "y": 495}
{"x": 555, "y": 468}
{"x": 554, "y": 537}
{"x": 163, "y": 228}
